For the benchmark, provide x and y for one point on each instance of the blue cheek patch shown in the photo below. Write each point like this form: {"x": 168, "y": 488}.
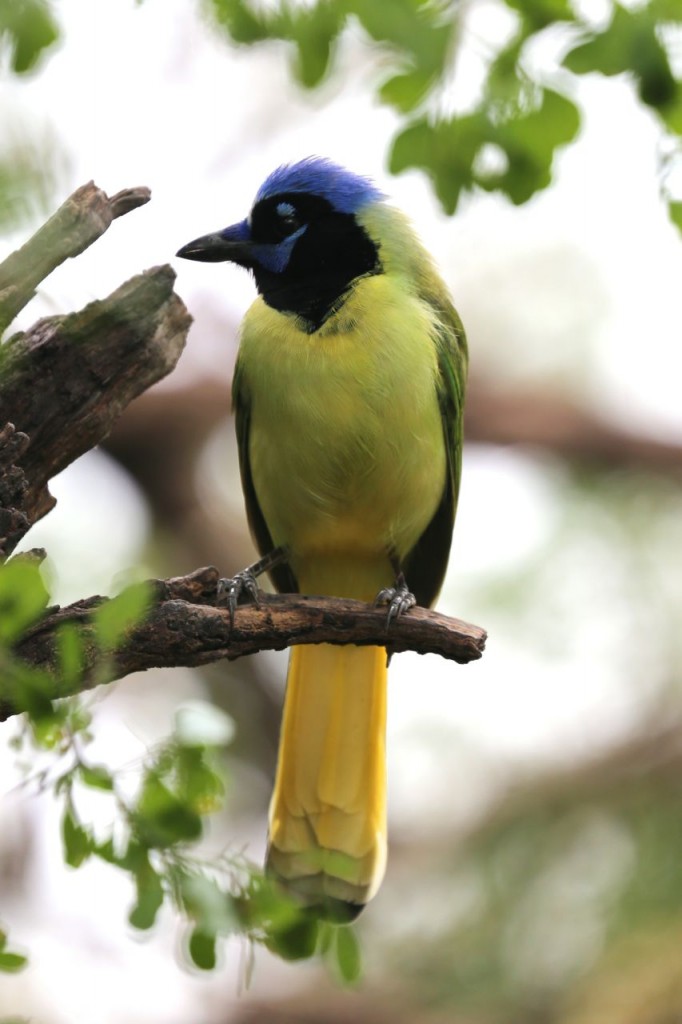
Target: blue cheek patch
{"x": 275, "y": 256}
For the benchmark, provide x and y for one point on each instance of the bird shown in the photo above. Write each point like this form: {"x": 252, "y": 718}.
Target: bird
{"x": 348, "y": 395}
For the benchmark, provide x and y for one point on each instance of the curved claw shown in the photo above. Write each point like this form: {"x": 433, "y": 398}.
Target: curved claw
{"x": 232, "y": 590}
{"x": 398, "y": 598}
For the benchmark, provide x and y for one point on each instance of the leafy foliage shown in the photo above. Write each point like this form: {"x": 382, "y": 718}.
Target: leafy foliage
{"x": 116, "y": 617}
{"x": 10, "y": 962}
{"x": 27, "y": 29}
{"x": 523, "y": 113}
{"x": 155, "y": 835}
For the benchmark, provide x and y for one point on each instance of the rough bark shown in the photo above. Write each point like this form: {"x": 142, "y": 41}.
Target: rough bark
{"x": 185, "y": 626}
{"x": 65, "y": 381}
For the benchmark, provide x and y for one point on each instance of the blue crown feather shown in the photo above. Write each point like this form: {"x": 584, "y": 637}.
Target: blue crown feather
{"x": 347, "y": 192}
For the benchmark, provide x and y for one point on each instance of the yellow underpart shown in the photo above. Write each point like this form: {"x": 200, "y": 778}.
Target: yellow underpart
{"x": 346, "y": 443}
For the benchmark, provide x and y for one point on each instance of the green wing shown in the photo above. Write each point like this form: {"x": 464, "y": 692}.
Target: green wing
{"x": 425, "y": 565}
{"x": 282, "y": 576}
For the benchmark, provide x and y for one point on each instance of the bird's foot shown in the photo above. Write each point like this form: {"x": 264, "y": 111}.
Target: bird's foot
{"x": 243, "y": 584}
{"x": 235, "y": 588}
{"x": 399, "y": 599}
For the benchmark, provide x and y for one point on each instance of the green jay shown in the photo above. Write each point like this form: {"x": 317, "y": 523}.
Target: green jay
{"x": 348, "y": 394}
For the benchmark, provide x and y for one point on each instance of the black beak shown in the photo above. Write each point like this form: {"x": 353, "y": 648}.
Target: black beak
{"x": 233, "y": 244}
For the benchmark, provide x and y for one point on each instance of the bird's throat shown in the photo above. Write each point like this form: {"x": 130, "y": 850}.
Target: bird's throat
{"x": 321, "y": 272}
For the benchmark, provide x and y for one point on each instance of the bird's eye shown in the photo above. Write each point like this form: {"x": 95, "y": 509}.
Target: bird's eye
{"x": 288, "y": 217}
{"x": 273, "y": 219}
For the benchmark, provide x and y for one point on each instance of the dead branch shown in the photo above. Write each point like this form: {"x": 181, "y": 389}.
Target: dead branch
{"x": 78, "y": 222}
{"x": 64, "y": 382}
{"x": 186, "y": 627}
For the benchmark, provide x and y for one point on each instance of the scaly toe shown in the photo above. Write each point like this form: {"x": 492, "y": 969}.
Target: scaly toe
{"x": 233, "y": 589}
{"x": 399, "y": 600}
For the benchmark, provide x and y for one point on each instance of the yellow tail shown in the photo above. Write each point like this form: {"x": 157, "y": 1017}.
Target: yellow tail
{"x": 327, "y": 836}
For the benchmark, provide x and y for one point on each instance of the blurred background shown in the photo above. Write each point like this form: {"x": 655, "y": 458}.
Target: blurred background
{"x": 535, "y": 817}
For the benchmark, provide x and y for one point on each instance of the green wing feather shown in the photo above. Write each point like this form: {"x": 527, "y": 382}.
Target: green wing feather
{"x": 425, "y": 565}
{"x": 282, "y": 576}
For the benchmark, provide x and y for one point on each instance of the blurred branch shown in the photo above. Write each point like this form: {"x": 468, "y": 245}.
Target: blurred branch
{"x": 65, "y": 381}
{"x": 160, "y": 441}
{"x": 185, "y": 627}
{"x": 160, "y": 438}
{"x": 546, "y": 419}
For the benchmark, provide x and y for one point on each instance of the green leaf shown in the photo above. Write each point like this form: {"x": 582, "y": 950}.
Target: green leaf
{"x": 671, "y": 113}
{"x": 264, "y": 907}
{"x": 52, "y": 724}
{"x": 666, "y": 10}
{"x": 135, "y": 859}
{"x": 78, "y": 718}
{"x": 202, "y": 949}
{"x": 629, "y": 44}
{"x": 198, "y": 786}
{"x": 675, "y": 212}
{"x": 205, "y": 902}
{"x": 348, "y": 956}
{"x": 69, "y": 649}
{"x": 242, "y": 23}
{"x": 96, "y": 776}
{"x": 149, "y": 896}
{"x": 296, "y": 941}
{"x": 10, "y": 963}
{"x": 107, "y": 852}
{"x": 78, "y": 844}
{"x": 23, "y": 598}
{"x": 448, "y": 149}
{"x": 116, "y": 616}
{"x": 419, "y": 33}
{"x": 326, "y": 938}
{"x": 28, "y": 690}
{"x": 529, "y": 142}
{"x": 162, "y": 819}
{"x": 405, "y": 92}
{"x": 419, "y": 37}
{"x": 314, "y": 30}
{"x": 538, "y": 14}
{"x": 445, "y": 150}
{"x": 29, "y": 29}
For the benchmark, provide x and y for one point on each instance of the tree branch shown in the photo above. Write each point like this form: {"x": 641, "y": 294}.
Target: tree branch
{"x": 548, "y": 419}
{"x": 78, "y": 222}
{"x": 65, "y": 381}
{"x": 185, "y": 627}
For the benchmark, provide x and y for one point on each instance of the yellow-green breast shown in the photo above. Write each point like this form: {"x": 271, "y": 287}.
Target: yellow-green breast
{"x": 346, "y": 442}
